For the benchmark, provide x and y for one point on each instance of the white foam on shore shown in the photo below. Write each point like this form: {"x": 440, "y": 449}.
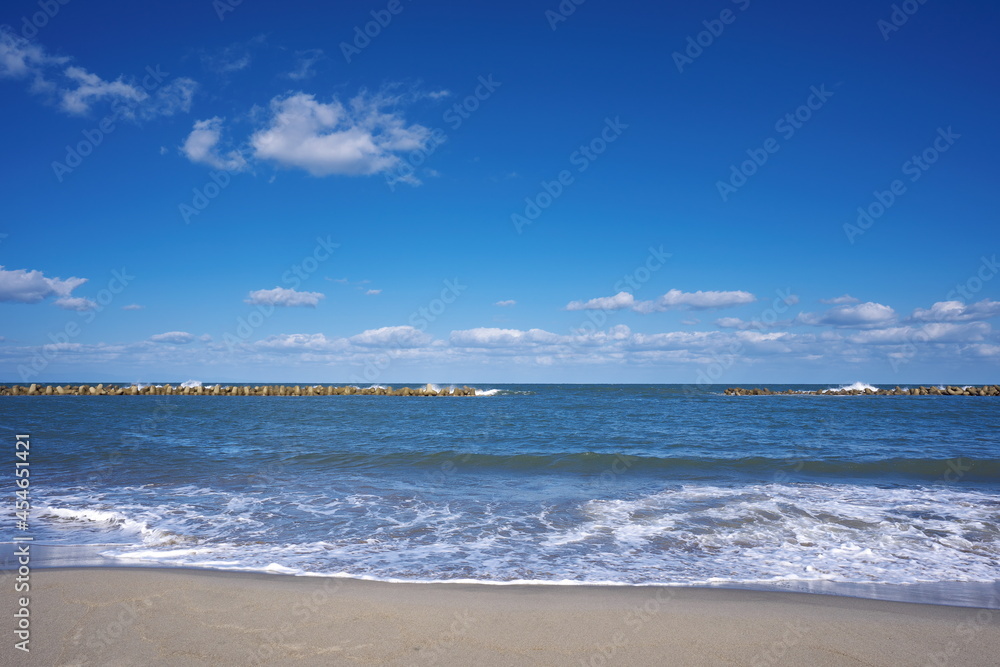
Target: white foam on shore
{"x": 149, "y": 535}
{"x": 190, "y": 384}
{"x": 683, "y": 535}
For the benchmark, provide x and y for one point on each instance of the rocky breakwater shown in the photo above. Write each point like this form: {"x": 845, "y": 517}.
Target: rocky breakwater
{"x": 227, "y": 390}
{"x": 985, "y": 390}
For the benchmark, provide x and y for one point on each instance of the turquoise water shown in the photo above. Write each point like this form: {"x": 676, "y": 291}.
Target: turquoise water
{"x": 659, "y": 484}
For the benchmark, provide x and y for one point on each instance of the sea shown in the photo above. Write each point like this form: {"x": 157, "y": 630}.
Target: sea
{"x": 891, "y": 497}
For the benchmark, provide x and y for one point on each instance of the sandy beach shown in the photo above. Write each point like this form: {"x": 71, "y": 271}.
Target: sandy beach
{"x": 143, "y": 616}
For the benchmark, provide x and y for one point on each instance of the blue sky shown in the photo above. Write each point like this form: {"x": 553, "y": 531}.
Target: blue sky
{"x": 740, "y": 192}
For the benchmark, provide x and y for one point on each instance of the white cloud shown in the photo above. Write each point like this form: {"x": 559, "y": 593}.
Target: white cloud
{"x": 282, "y": 296}
{"x": 76, "y": 303}
{"x": 616, "y": 302}
{"x": 133, "y": 306}
{"x": 928, "y": 333}
{"x": 390, "y": 337}
{"x": 201, "y": 143}
{"x": 730, "y": 323}
{"x": 695, "y": 300}
{"x": 957, "y": 311}
{"x": 24, "y": 286}
{"x": 173, "y": 338}
{"x": 91, "y": 88}
{"x": 846, "y": 299}
{"x": 438, "y": 94}
{"x": 506, "y": 303}
{"x": 304, "y": 67}
{"x": 742, "y": 325}
{"x": 691, "y": 321}
{"x": 373, "y": 292}
{"x": 862, "y": 316}
{"x": 78, "y": 89}
{"x": 300, "y": 343}
{"x": 232, "y": 58}
{"x": 493, "y": 337}
{"x": 356, "y": 139}
{"x": 20, "y": 58}
{"x": 671, "y": 300}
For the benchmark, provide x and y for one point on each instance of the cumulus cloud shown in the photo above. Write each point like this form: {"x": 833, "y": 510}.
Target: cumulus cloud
{"x": 202, "y": 143}
{"x": 24, "y": 286}
{"x": 957, "y": 311}
{"x": 699, "y": 300}
{"x": 76, "y": 303}
{"x": 616, "y": 302}
{"x": 861, "y": 316}
{"x": 937, "y": 332}
{"x": 493, "y": 337}
{"x": 843, "y": 300}
{"x": 300, "y": 343}
{"x": 674, "y": 299}
{"x": 743, "y": 325}
{"x": 362, "y": 137}
{"x": 389, "y": 337}
{"x": 506, "y": 303}
{"x": 283, "y": 296}
{"x": 173, "y": 338}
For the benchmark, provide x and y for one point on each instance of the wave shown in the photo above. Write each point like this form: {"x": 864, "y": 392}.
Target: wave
{"x": 681, "y": 534}
{"x": 925, "y": 469}
{"x": 150, "y": 535}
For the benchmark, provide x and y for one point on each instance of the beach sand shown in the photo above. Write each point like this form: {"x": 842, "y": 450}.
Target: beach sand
{"x": 145, "y": 616}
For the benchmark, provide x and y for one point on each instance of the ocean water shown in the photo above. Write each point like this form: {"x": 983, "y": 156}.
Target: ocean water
{"x": 567, "y": 484}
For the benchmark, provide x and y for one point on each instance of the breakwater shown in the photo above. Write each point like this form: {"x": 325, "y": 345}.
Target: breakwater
{"x": 985, "y": 390}
{"x": 228, "y": 390}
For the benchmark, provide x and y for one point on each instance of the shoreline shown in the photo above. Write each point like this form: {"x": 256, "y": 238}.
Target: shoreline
{"x": 156, "y": 616}
{"x": 959, "y": 594}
